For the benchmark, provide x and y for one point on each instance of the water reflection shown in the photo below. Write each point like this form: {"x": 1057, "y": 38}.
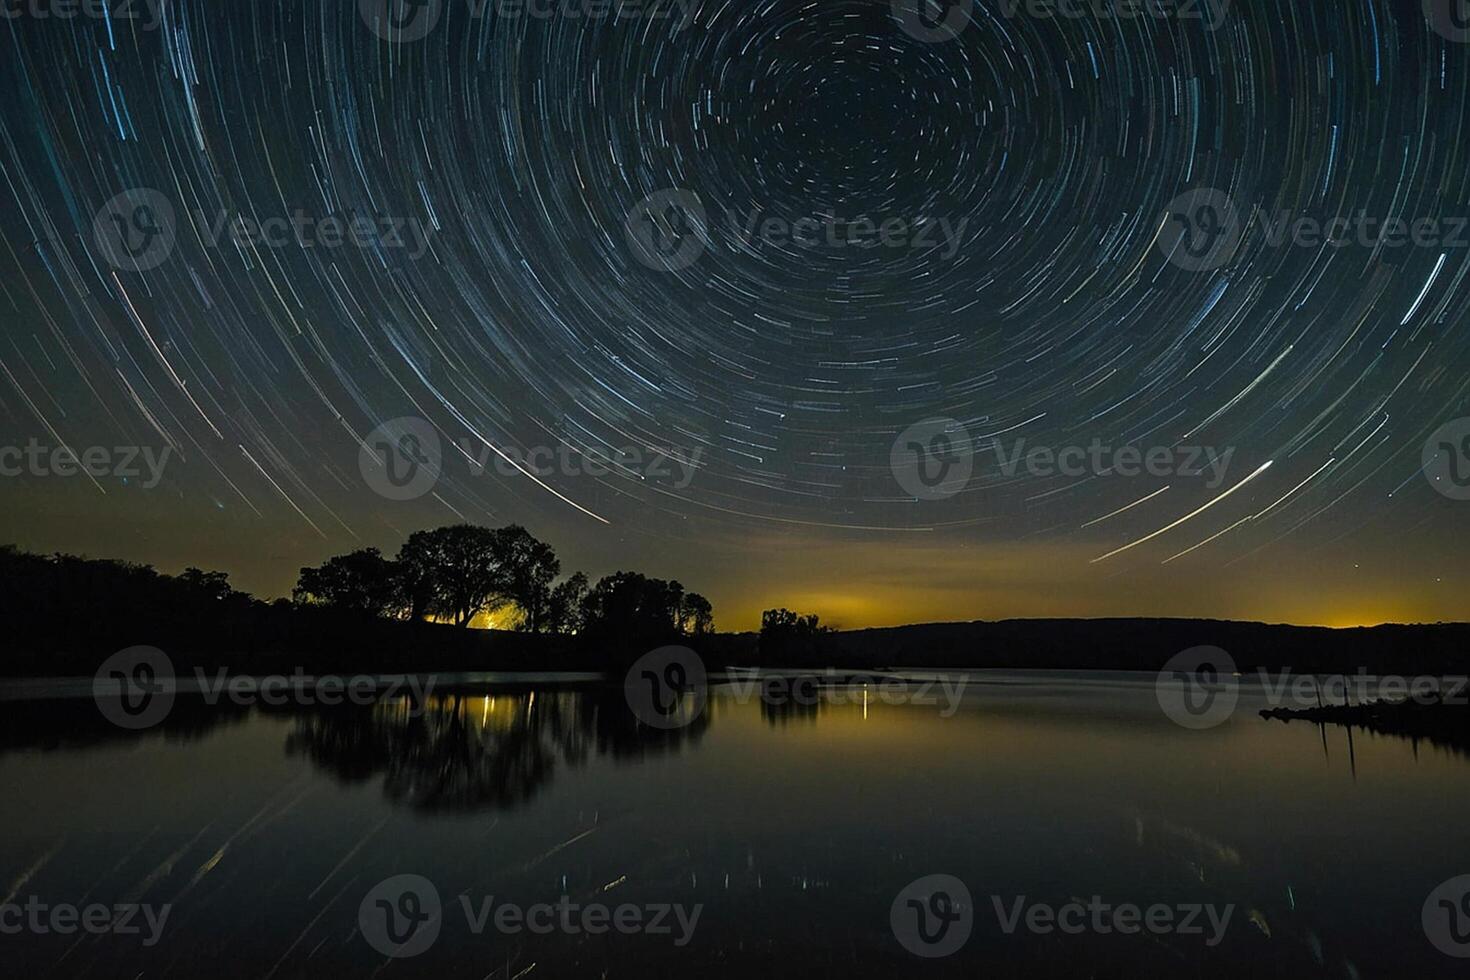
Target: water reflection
{"x": 794, "y": 814}
{"x": 477, "y": 751}
{"x": 461, "y": 751}
{"x": 75, "y": 724}
{"x": 1441, "y": 726}
{"x": 779, "y": 708}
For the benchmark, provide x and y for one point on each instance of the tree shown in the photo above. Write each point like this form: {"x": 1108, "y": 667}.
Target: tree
{"x": 696, "y": 615}
{"x": 788, "y": 636}
{"x": 417, "y": 581}
{"x": 455, "y": 571}
{"x": 527, "y": 567}
{"x": 634, "y": 608}
{"x": 361, "y": 581}
{"x": 209, "y": 585}
{"x": 778, "y": 621}
{"x": 672, "y": 603}
{"x": 628, "y": 608}
{"x": 564, "y": 609}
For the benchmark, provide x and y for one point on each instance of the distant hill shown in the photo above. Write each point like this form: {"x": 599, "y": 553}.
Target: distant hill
{"x": 64, "y": 615}
{"x": 1145, "y": 644}
{"x": 263, "y": 639}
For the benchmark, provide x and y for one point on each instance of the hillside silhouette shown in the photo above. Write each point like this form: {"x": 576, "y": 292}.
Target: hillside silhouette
{"x": 363, "y": 613}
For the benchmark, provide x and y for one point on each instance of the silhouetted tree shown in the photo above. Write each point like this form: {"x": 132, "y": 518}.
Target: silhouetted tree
{"x": 454, "y": 571}
{"x": 628, "y": 609}
{"x": 696, "y": 615}
{"x": 631, "y": 609}
{"x": 789, "y": 636}
{"x": 74, "y": 606}
{"x": 362, "y": 581}
{"x": 66, "y": 606}
{"x": 417, "y": 581}
{"x": 564, "y": 609}
{"x": 527, "y": 567}
{"x": 209, "y": 585}
{"x": 673, "y": 602}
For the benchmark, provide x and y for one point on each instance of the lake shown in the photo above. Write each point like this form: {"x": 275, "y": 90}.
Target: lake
{"x": 540, "y": 830}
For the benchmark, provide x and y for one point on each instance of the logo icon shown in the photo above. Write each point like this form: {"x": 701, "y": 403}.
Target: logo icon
{"x": 932, "y": 21}
{"x": 668, "y": 230}
{"x": 135, "y": 688}
{"x": 1201, "y": 230}
{"x": 1446, "y": 459}
{"x": 932, "y": 916}
{"x": 666, "y": 688}
{"x": 1449, "y": 18}
{"x": 401, "y": 21}
{"x": 932, "y": 459}
{"x": 401, "y": 916}
{"x": 135, "y": 230}
{"x": 1198, "y": 688}
{"x": 402, "y": 458}
{"x": 1446, "y": 917}
{"x": 1211, "y": 13}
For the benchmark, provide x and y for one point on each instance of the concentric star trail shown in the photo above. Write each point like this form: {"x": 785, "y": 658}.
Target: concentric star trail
{"x": 872, "y": 230}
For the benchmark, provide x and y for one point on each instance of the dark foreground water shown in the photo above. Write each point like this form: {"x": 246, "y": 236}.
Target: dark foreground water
{"x": 761, "y": 839}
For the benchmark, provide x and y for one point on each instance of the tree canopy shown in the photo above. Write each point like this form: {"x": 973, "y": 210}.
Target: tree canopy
{"x": 456, "y": 572}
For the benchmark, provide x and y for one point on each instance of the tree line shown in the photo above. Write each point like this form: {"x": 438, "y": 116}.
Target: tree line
{"x": 453, "y": 574}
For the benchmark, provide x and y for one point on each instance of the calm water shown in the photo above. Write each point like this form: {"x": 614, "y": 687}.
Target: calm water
{"x": 792, "y": 827}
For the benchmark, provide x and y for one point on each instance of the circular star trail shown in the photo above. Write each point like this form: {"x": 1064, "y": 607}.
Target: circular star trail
{"x": 887, "y": 227}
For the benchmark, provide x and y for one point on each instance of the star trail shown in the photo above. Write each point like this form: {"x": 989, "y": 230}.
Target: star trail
{"x": 731, "y": 252}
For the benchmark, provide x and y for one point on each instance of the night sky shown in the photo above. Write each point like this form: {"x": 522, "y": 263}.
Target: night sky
{"x": 764, "y": 238}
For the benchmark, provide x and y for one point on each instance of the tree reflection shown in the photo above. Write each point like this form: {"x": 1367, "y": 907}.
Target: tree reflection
{"x": 477, "y": 751}
{"x": 75, "y": 724}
